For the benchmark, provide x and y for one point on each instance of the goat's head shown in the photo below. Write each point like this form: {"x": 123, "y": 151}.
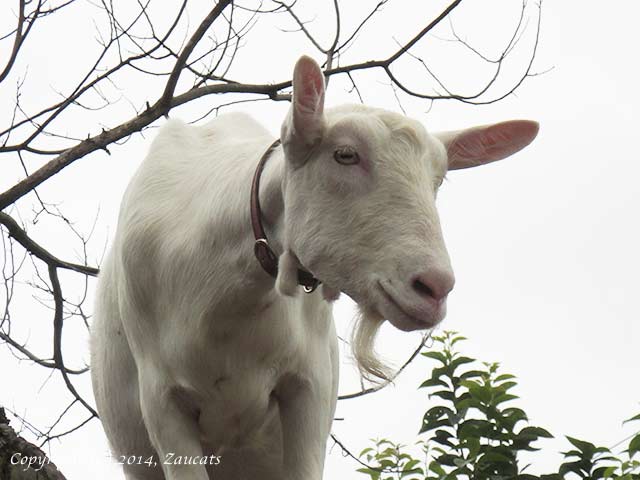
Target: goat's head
{"x": 359, "y": 190}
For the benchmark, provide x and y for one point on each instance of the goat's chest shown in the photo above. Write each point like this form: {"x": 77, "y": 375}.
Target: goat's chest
{"x": 238, "y": 409}
{"x": 229, "y": 372}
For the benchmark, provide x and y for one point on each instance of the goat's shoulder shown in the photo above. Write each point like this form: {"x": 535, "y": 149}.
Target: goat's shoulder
{"x": 234, "y": 125}
{"x": 176, "y": 137}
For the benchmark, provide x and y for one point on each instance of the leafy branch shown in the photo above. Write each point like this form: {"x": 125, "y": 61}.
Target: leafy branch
{"x": 474, "y": 432}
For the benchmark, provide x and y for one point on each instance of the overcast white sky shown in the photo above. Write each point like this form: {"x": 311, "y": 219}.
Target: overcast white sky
{"x": 544, "y": 245}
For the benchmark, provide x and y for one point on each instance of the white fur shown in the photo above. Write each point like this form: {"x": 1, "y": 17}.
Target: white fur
{"x": 287, "y": 281}
{"x": 194, "y": 352}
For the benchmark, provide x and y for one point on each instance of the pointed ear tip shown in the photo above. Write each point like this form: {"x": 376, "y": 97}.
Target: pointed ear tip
{"x": 305, "y": 61}
{"x": 532, "y": 125}
{"x": 525, "y": 129}
{"x": 535, "y": 129}
{"x": 306, "y": 58}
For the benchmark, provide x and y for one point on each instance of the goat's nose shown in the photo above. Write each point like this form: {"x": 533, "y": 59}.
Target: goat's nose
{"x": 433, "y": 284}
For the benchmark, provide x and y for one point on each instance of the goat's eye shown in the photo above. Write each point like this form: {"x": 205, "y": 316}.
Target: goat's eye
{"x": 346, "y": 155}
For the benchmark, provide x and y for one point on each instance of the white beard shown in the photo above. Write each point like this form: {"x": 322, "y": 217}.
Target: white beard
{"x": 363, "y": 336}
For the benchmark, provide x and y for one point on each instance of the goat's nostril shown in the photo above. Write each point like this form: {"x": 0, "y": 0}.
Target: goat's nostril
{"x": 422, "y": 288}
{"x": 434, "y": 284}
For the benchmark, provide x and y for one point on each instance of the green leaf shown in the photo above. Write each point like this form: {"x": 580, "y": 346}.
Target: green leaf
{"x": 444, "y": 394}
{"x": 437, "y": 469}
{"x": 436, "y": 356}
{"x": 443, "y": 434}
{"x": 463, "y": 403}
{"x": 572, "y": 453}
{"x": 534, "y": 432}
{"x": 580, "y": 468}
{"x": 637, "y": 417}
{"x": 629, "y": 476}
{"x": 511, "y": 417}
{"x": 505, "y": 397}
{"x": 458, "y": 362}
{"x": 447, "y": 459}
{"x": 384, "y": 441}
{"x": 435, "y": 417}
{"x": 602, "y": 450}
{"x": 492, "y": 367}
{"x": 504, "y": 376}
{"x": 434, "y": 382}
{"x": 588, "y": 449}
{"x": 439, "y": 450}
{"x": 438, "y": 338}
{"x": 515, "y": 412}
{"x": 471, "y": 374}
{"x": 479, "y": 392}
{"x": 411, "y": 465}
{"x": 506, "y": 386}
{"x": 390, "y": 450}
{"x": 434, "y": 424}
{"x": 528, "y": 435}
{"x": 473, "y": 445}
{"x": 437, "y": 412}
{"x": 387, "y": 463}
{"x": 442, "y": 437}
{"x": 550, "y": 476}
{"x": 366, "y": 450}
{"x": 599, "y": 473}
{"x": 374, "y": 474}
{"x": 634, "y": 446}
{"x": 439, "y": 372}
{"x": 495, "y": 457}
{"x": 469, "y": 384}
{"x": 474, "y": 428}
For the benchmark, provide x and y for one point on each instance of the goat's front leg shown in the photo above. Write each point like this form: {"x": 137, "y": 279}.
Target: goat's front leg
{"x": 172, "y": 428}
{"x": 305, "y": 415}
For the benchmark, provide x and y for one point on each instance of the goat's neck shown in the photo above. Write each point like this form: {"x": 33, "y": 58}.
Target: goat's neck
{"x": 255, "y": 280}
{"x": 272, "y": 200}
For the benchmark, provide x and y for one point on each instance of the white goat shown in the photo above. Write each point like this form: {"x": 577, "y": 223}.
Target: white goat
{"x": 196, "y": 350}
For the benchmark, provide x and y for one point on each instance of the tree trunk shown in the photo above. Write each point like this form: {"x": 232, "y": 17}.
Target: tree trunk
{"x": 21, "y": 460}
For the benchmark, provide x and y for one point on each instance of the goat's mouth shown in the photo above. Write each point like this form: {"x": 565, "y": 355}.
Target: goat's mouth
{"x": 406, "y": 318}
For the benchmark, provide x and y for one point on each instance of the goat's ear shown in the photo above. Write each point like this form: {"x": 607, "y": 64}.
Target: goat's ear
{"x": 479, "y": 145}
{"x": 305, "y": 123}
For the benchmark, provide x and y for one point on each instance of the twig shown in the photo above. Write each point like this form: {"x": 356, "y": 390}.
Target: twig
{"x": 376, "y": 388}
{"x": 57, "y": 337}
{"x": 40, "y": 252}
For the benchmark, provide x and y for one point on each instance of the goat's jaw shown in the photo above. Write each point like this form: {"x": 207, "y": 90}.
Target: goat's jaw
{"x": 408, "y": 317}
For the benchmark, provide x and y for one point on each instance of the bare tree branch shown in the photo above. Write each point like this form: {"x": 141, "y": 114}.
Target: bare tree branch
{"x": 34, "y": 358}
{"x": 167, "y": 95}
{"x": 36, "y": 249}
{"x": 58, "y": 323}
{"x": 166, "y": 102}
{"x": 19, "y": 38}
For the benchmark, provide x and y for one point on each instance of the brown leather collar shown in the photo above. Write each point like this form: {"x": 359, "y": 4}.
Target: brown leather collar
{"x": 263, "y": 251}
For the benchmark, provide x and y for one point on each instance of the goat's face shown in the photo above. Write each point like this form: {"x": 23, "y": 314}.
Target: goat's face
{"x": 360, "y": 188}
{"x": 360, "y": 214}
